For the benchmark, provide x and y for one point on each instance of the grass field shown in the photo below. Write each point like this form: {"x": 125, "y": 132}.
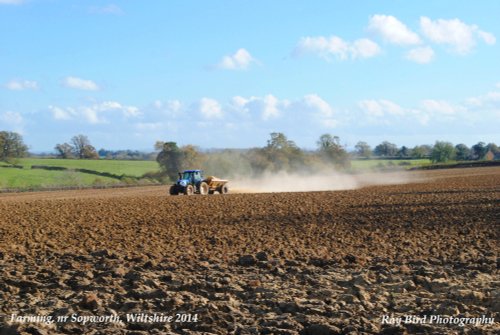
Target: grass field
{"x": 119, "y": 167}
{"x": 28, "y": 178}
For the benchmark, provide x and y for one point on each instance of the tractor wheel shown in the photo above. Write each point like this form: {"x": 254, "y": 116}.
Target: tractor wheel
{"x": 173, "y": 190}
{"x": 203, "y": 188}
{"x": 189, "y": 190}
{"x": 223, "y": 189}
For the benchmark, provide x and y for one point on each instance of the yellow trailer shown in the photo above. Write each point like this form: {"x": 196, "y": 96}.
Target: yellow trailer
{"x": 216, "y": 185}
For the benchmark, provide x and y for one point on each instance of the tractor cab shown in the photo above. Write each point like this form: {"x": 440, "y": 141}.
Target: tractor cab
{"x": 190, "y": 177}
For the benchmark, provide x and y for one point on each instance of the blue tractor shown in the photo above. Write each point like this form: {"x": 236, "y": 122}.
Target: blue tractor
{"x": 192, "y": 182}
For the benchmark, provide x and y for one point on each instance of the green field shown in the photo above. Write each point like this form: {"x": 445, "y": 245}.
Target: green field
{"x": 119, "y": 167}
{"x": 38, "y": 179}
{"x": 28, "y": 178}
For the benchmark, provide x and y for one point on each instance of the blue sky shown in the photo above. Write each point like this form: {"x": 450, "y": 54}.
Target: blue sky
{"x": 227, "y": 73}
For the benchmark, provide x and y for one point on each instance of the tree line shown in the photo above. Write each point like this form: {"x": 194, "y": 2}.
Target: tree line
{"x": 279, "y": 154}
{"x": 282, "y": 154}
{"x": 440, "y": 152}
{"x": 79, "y": 147}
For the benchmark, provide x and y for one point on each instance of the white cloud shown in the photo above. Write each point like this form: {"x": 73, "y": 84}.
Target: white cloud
{"x": 149, "y": 126}
{"x": 20, "y": 85}
{"x": 484, "y": 108}
{"x": 392, "y": 30}
{"x": 110, "y": 9}
{"x": 131, "y": 111}
{"x": 334, "y": 46}
{"x": 388, "y": 112}
{"x": 11, "y": 2}
{"x": 380, "y": 108}
{"x": 323, "y": 47}
{"x": 80, "y": 84}
{"x": 441, "y": 107}
{"x": 488, "y": 38}
{"x": 364, "y": 48}
{"x": 422, "y": 118}
{"x": 319, "y": 110}
{"x": 490, "y": 99}
{"x": 210, "y": 108}
{"x": 315, "y": 102}
{"x": 13, "y": 120}
{"x": 460, "y": 36}
{"x": 170, "y": 108}
{"x": 270, "y": 107}
{"x": 91, "y": 115}
{"x": 239, "y": 105}
{"x": 106, "y": 105}
{"x": 240, "y": 60}
{"x": 61, "y": 113}
{"x": 310, "y": 108}
{"x": 240, "y": 102}
{"x": 128, "y": 111}
{"x": 422, "y": 55}
{"x": 94, "y": 114}
{"x": 174, "y": 105}
{"x": 158, "y": 104}
{"x": 267, "y": 107}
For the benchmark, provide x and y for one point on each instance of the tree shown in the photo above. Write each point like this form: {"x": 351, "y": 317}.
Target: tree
{"x": 332, "y": 151}
{"x": 258, "y": 160}
{"x": 442, "y": 152}
{"x": 462, "y": 152}
{"x": 170, "y": 159}
{"x": 64, "y": 150}
{"x": 279, "y": 141}
{"x": 89, "y": 152}
{"x": 404, "y": 152}
{"x": 282, "y": 153}
{"x": 11, "y": 146}
{"x": 479, "y": 150}
{"x": 82, "y": 148}
{"x": 421, "y": 151}
{"x": 191, "y": 157}
{"x": 495, "y": 150}
{"x": 79, "y": 142}
{"x": 159, "y": 145}
{"x": 386, "y": 149}
{"x": 363, "y": 149}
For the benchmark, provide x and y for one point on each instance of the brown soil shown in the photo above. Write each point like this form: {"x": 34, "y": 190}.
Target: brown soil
{"x": 275, "y": 263}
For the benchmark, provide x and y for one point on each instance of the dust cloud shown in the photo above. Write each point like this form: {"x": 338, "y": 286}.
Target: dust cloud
{"x": 327, "y": 181}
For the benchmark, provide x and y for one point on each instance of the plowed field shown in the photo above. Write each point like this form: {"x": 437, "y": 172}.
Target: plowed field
{"x": 269, "y": 263}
